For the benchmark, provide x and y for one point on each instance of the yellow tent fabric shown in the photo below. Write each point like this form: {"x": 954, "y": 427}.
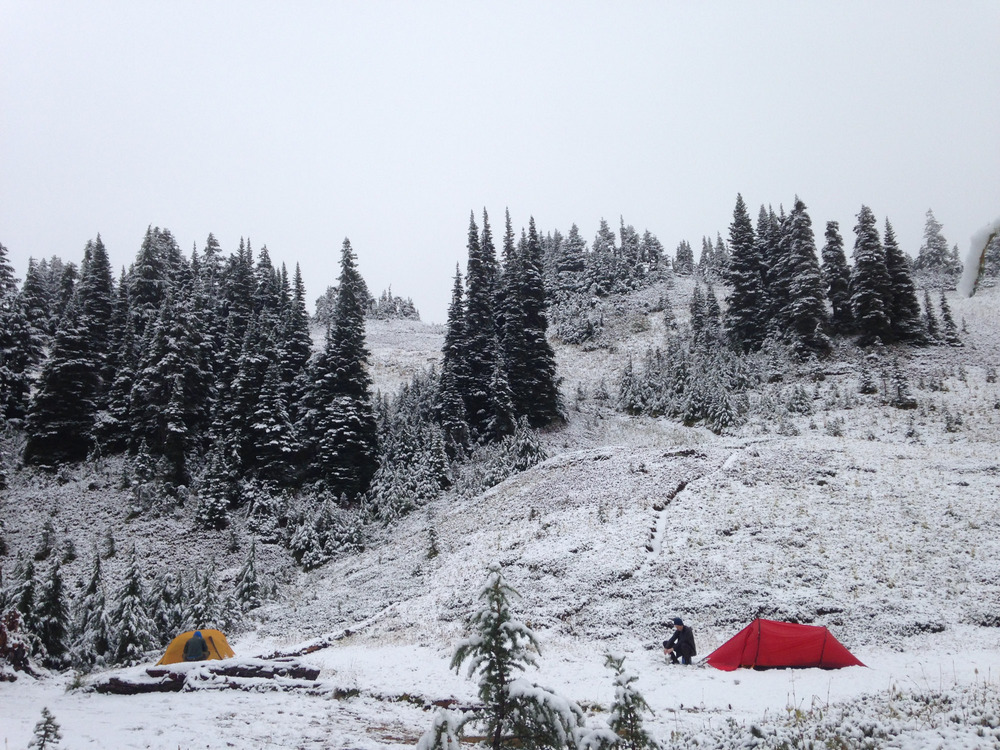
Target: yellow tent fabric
{"x": 218, "y": 646}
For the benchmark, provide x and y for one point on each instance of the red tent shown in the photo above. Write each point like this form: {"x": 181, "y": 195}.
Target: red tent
{"x": 766, "y": 643}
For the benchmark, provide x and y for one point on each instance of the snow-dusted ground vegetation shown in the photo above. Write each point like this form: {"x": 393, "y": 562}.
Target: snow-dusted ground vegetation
{"x": 827, "y": 506}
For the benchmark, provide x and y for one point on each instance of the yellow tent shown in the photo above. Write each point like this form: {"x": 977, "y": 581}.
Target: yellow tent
{"x": 218, "y": 646}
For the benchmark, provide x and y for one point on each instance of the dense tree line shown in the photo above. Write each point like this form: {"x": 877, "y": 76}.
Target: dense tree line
{"x": 115, "y": 622}
{"x": 201, "y": 369}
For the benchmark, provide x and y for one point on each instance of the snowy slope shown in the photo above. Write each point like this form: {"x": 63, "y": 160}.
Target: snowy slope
{"x": 886, "y": 532}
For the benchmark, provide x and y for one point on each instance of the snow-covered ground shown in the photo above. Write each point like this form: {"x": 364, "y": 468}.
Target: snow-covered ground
{"x": 882, "y": 524}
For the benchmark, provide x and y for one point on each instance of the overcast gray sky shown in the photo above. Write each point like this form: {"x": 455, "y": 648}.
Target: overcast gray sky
{"x": 300, "y": 123}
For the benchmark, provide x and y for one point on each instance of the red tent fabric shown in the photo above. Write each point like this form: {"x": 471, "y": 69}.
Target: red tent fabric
{"x": 764, "y": 644}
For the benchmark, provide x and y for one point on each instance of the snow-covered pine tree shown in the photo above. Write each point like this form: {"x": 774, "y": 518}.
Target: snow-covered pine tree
{"x": 134, "y": 631}
{"x": 296, "y": 346}
{"x": 92, "y": 639}
{"x": 340, "y": 431}
{"x": 203, "y": 603}
{"x": 36, "y": 298}
{"x": 684, "y": 259}
{"x": 172, "y": 393}
{"x": 248, "y": 589}
{"x": 625, "y": 718}
{"x": 904, "y": 309}
{"x": 900, "y": 395}
{"x": 570, "y": 264}
{"x": 542, "y": 406}
{"x": 61, "y": 416}
{"x": 837, "y": 277}
{"x": 46, "y": 734}
{"x": 167, "y": 602}
{"x": 746, "y": 304}
{"x": 96, "y": 304}
{"x": 930, "y": 319}
{"x": 450, "y": 404}
{"x": 806, "y": 312}
{"x": 515, "y": 712}
{"x": 501, "y": 414}
{"x": 870, "y": 284}
{"x": 480, "y": 346}
{"x": 16, "y": 345}
{"x": 53, "y": 620}
{"x": 949, "y": 331}
{"x": 934, "y": 256}
{"x": 275, "y": 443}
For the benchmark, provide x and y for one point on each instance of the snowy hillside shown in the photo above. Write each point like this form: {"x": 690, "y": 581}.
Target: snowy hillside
{"x": 882, "y": 524}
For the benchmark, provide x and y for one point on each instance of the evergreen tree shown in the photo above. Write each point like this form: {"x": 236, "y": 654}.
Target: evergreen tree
{"x": 515, "y": 712}
{"x": 53, "y": 620}
{"x": 215, "y": 492}
{"x": 296, "y": 345}
{"x": 930, "y": 319}
{"x": 746, "y": 304}
{"x": 134, "y": 630}
{"x": 869, "y": 281}
{"x": 46, "y": 734}
{"x": 275, "y": 443}
{"x": 451, "y": 406}
{"x": 684, "y": 259}
{"x": 904, "y": 309}
{"x": 248, "y": 588}
{"x": 96, "y": 301}
{"x": 933, "y": 255}
{"x": 541, "y": 405}
{"x": 806, "y": 313}
{"x": 626, "y": 711}
{"x": 570, "y": 264}
{"x": 36, "y": 298}
{"x": 837, "y": 277}
{"x": 204, "y": 606}
{"x": 61, "y": 417}
{"x": 170, "y": 400}
{"x": 17, "y": 345}
{"x": 339, "y": 426}
{"x": 168, "y": 605}
{"x": 949, "y": 331}
{"x": 480, "y": 348}
{"x": 93, "y": 638}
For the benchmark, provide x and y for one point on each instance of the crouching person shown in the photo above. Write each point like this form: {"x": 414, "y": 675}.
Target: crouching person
{"x": 680, "y": 646}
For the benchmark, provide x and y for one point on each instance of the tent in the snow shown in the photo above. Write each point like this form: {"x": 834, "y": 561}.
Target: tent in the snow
{"x": 766, "y": 644}
{"x": 218, "y": 646}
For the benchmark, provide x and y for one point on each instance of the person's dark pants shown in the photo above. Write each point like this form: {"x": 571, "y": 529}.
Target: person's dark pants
{"x": 682, "y": 660}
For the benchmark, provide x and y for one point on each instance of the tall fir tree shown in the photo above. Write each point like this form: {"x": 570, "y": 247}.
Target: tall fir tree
{"x": 340, "y": 433}
{"x": 746, "y": 303}
{"x": 684, "y": 259}
{"x": 934, "y": 256}
{"x": 904, "y": 308}
{"x": 450, "y": 405}
{"x": 837, "y": 277}
{"x": 480, "y": 348}
{"x": 543, "y": 405}
{"x": 60, "y": 421}
{"x": 17, "y": 345}
{"x": 869, "y": 282}
{"x": 134, "y": 629}
{"x": 53, "y": 619}
{"x": 92, "y": 629}
{"x": 806, "y": 313}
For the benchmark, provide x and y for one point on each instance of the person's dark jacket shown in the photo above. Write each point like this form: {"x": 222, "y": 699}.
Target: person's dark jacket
{"x": 195, "y": 649}
{"x": 682, "y": 642}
